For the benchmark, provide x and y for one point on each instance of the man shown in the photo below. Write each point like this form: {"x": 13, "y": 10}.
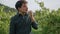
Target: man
{"x": 21, "y": 23}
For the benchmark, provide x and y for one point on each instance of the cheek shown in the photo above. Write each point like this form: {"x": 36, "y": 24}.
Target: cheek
{"x": 25, "y": 9}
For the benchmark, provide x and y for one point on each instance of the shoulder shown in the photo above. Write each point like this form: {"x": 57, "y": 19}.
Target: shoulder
{"x": 14, "y": 17}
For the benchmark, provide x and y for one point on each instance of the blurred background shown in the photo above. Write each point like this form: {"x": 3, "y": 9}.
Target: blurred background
{"x": 46, "y": 13}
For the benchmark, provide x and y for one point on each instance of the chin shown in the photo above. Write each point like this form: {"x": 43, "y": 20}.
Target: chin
{"x": 25, "y": 11}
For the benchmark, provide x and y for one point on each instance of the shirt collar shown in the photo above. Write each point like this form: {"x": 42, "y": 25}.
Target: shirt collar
{"x": 26, "y": 14}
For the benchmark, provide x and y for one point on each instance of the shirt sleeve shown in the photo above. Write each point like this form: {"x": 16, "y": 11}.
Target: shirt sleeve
{"x": 12, "y": 27}
{"x": 35, "y": 25}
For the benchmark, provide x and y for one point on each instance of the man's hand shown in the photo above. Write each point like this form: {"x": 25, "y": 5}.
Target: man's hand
{"x": 34, "y": 23}
{"x": 31, "y": 16}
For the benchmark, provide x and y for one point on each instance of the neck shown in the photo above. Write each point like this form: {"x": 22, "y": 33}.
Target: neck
{"x": 22, "y": 13}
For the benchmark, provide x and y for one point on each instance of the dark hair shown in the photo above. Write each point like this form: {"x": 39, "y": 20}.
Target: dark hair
{"x": 19, "y": 4}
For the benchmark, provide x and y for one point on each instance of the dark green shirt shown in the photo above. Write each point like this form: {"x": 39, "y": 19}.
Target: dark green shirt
{"x": 21, "y": 24}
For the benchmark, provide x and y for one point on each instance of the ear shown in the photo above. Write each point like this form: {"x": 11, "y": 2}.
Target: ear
{"x": 19, "y": 8}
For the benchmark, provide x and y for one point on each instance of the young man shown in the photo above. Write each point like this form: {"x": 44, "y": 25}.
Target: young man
{"x": 21, "y": 23}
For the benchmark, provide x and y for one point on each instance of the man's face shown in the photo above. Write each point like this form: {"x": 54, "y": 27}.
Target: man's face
{"x": 23, "y": 8}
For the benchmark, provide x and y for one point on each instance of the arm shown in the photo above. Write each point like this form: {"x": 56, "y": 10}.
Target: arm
{"x": 34, "y": 25}
{"x": 12, "y": 27}
{"x": 33, "y": 22}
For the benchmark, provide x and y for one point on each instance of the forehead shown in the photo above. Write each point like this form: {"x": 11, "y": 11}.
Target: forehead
{"x": 24, "y": 4}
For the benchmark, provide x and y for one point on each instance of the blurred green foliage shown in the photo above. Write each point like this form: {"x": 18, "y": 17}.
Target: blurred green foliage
{"x": 48, "y": 20}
